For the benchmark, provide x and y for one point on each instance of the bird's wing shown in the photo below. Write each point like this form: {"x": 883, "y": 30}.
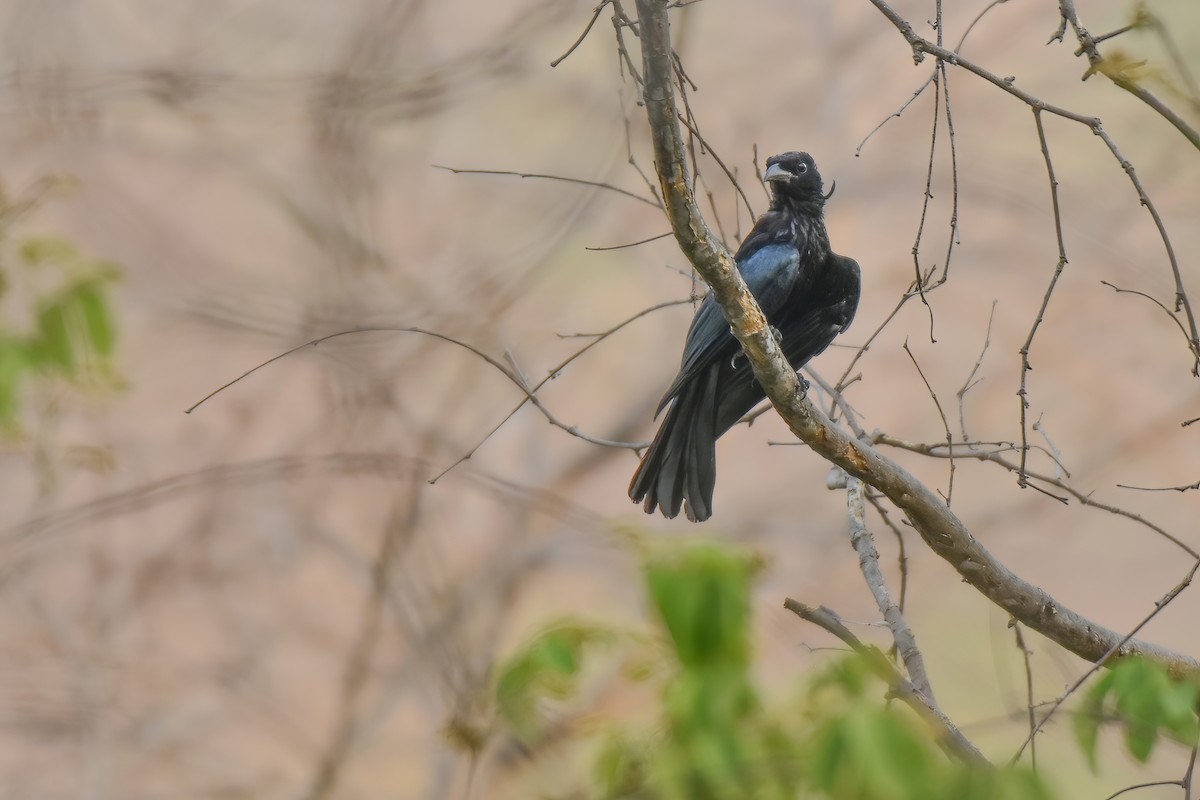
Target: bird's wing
{"x": 826, "y": 311}
{"x": 808, "y": 325}
{"x": 845, "y": 283}
{"x": 770, "y": 273}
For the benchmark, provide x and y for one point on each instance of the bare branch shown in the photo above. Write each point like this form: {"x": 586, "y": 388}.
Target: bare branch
{"x": 630, "y": 244}
{"x": 1025, "y": 658}
{"x": 941, "y": 529}
{"x": 953, "y": 240}
{"x": 902, "y": 554}
{"x": 1087, "y": 46}
{"x": 919, "y": 280}
{"x": 587, "y": 29}
{"x": 563, "y": 178}
{"x": 1022, "y": 393}
{"x": 921, "y": 47}
{"x": 1137, "y": 786}
{"x": 868, "y": 561}
{"x": 945, "y": 425}
{"x": 1154, "y": 300}
{"x": 930, "y": 79}
{"x": 513, "y": 375}
{"x": 971, "y": 450}
{"x": 1115, "y": 650}
{"x": 970, "y": 382}
{"x": 946, "y": 733}
{"x": 1187, "y": 488}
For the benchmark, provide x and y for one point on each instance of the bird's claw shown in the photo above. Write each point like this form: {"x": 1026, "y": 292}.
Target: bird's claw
{"x": 777, "y": 334}
{"x": 804, "y": 385}
{"x": 733, "y": 362}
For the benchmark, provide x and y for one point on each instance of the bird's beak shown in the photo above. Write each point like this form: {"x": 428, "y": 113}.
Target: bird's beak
{"x": 777, "y": 173}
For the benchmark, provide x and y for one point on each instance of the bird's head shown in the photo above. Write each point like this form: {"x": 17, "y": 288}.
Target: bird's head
{"x": 794, "y": 179}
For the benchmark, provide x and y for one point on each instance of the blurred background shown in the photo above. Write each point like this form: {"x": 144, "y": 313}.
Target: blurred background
{"x": 269, "y": 597}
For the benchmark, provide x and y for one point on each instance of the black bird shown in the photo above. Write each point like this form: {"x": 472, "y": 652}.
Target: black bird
{"x": 809, "y": 295}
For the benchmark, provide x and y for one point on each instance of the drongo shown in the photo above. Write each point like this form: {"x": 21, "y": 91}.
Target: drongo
{"x": 809, "y": 295}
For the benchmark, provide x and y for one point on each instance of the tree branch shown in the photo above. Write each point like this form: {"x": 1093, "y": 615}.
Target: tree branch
{"x": 941, "y": 529}
{"x": 868, "y": 561}
{"x": 949, "y": 737}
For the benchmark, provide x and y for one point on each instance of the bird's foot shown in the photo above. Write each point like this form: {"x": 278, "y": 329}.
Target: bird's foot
{"x": 804, "y": 385}
{"x": 777, "y": 334}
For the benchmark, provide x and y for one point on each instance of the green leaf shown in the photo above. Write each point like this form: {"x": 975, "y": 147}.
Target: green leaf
{"x": 547, "y": 668}
{"x": 96, "y": 316}
{"x": 14, "y": 362}
{"x": 54, "y": 338}
{"x": 38, "y": 250}
{"x": 703, "y": 597}
{"x": 1147, "y": 701}
{"x": 1087, "y": 721}
{"x": 620, "y": 767}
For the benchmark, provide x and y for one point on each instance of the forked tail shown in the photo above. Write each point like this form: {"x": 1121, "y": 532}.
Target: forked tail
{"x": 681, "y": 463}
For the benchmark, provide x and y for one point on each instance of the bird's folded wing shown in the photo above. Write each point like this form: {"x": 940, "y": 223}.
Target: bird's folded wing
{"x": 770, "y": 273}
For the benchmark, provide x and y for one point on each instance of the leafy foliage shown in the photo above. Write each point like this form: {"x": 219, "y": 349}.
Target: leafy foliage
{"x": 714, "y": 736}
{"x": 545, "y": 669}
{"x": 1146, "y": 701}
{"x": 71, "y": 332}
{"x": 860, "y": 749}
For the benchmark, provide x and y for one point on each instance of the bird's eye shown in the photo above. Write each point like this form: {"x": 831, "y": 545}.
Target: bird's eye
{"x": 803, "y": 168}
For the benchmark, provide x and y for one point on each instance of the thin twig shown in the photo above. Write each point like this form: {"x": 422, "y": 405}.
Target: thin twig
{"x": 630, "y": 244}
{"x": 692, "y": 129}
{"x": 953, "y": 177}
{"x": 1137, "y": 786}
{"x": 1156, "y": 302}
{"x": 1097, "y": 63}
{"x": 918, "y": 281}
{"x": 946, "y": 733}
{"x": 921, "y": 47}
{"x": 946, "y": 425}
{"x": 620, "y": 22}
{"x": 842, "y": 382}
{"x": 1191, "y": 770}
{"x": 554, "y": 372}
{"x": 1118, "y": 650}
{"x": 1181, "y": 299}
{"x": 1025, "y": 657}
{"x": 587, "y": 29}
{"x": 970, "y": 382}
{"x": 1187, "y": 488}
{"x": 940, "y": 528}
{"x": 971, "y": 450}
{"x": 929, "y": 80}
{"x": 516, "y": 379}
{"x": 563, "y": 178}
{"x": 839, "y": 402}
{"x": 1022, "y": 393}
{"x": 902, "y": 555}
{"x": 868, "y": 561}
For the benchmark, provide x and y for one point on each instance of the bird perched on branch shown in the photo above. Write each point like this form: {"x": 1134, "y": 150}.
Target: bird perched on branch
{"x": 809, "y": 295}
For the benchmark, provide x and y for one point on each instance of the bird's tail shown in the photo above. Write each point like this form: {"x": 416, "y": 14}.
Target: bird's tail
{"x": 681, "y": 463}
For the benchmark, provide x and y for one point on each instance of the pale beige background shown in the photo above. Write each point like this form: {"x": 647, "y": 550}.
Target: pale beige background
{"x": 181, "y": 624}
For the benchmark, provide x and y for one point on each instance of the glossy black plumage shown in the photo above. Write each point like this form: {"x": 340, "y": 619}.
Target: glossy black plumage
{"x": 809, "y": 295}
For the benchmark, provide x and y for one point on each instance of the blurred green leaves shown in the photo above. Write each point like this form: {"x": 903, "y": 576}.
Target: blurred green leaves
{"x": 1146, "y": 701}
{"x": 858, "y": 748}
{"x": 545, "y": 669}
{"x": 56, "y": 318}
{"x": 712, "y": 735}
